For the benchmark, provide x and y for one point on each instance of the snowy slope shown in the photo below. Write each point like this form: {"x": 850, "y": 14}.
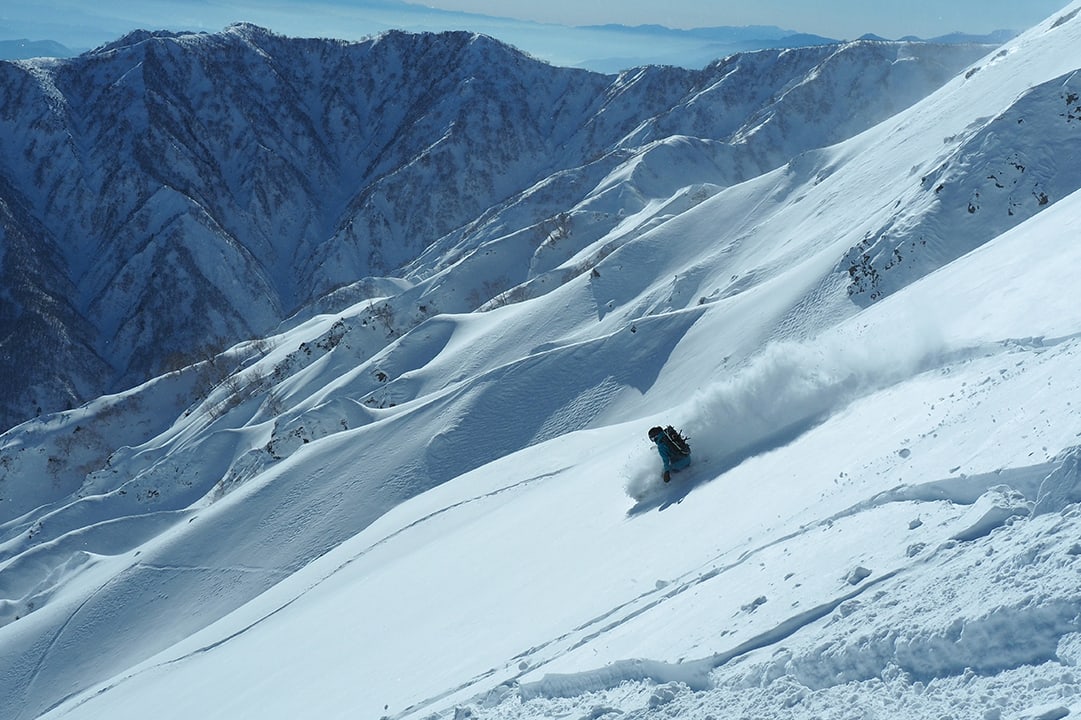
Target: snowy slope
{"x": 547, "y": 576}
{"x": 469, "y": 520}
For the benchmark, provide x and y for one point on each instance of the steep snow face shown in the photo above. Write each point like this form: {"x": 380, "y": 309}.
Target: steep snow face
{"x": 244, "y": 175}
{"x": 983, "y": 179}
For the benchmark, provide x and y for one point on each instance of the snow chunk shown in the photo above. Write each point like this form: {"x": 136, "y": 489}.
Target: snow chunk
{"x": 858, "y": 575}
{"x": 1047, "y": 712}
{"x": 992, "y": 510}
{"x": 665, "y": 694}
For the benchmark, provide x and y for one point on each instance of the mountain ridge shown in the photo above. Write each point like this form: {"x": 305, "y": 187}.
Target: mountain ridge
{"x": 246, "y": 142}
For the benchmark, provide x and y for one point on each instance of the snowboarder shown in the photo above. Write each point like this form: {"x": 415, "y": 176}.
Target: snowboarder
{"x": 673, "y": 448}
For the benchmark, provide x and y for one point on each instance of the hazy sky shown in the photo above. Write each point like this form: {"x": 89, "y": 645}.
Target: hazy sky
{"x": 831, "y": 18}
{"x": 83, "y": 24}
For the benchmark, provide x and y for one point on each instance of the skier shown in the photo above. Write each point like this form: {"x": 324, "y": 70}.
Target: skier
{"x": 673, "y": 448}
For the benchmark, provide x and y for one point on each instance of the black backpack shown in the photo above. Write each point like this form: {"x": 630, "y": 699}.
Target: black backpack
{"x": 676, "y": 441}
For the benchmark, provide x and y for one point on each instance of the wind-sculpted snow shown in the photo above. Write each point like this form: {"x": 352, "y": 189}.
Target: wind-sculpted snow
{"x": 997, "y": 172}
{"x": 1062, "y": 487}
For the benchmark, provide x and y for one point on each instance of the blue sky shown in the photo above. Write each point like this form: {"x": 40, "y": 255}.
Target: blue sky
{"x": 82, "y": 24}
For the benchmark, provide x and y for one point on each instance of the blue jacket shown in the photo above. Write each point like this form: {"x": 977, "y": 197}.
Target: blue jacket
{"x": 671, "y": 461}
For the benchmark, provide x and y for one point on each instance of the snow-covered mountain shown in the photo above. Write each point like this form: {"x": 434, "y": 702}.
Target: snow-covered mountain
{"x": 429, "y": 493}
{"x": 244, "y": 175}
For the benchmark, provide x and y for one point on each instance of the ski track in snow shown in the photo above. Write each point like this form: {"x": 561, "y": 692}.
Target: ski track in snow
{"x": 171, "y": 569}
{"x": 695, "y": 673}
{"x": 1046, "y": 627}
{"x": 263, "y": 618}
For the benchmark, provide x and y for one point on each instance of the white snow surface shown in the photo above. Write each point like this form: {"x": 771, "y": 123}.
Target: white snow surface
{"x": 881, "y": 519}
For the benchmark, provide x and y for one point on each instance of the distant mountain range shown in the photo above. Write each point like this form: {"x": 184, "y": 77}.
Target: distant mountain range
{"x": 26, "y": 49}
{"x": 601, "y": 48}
